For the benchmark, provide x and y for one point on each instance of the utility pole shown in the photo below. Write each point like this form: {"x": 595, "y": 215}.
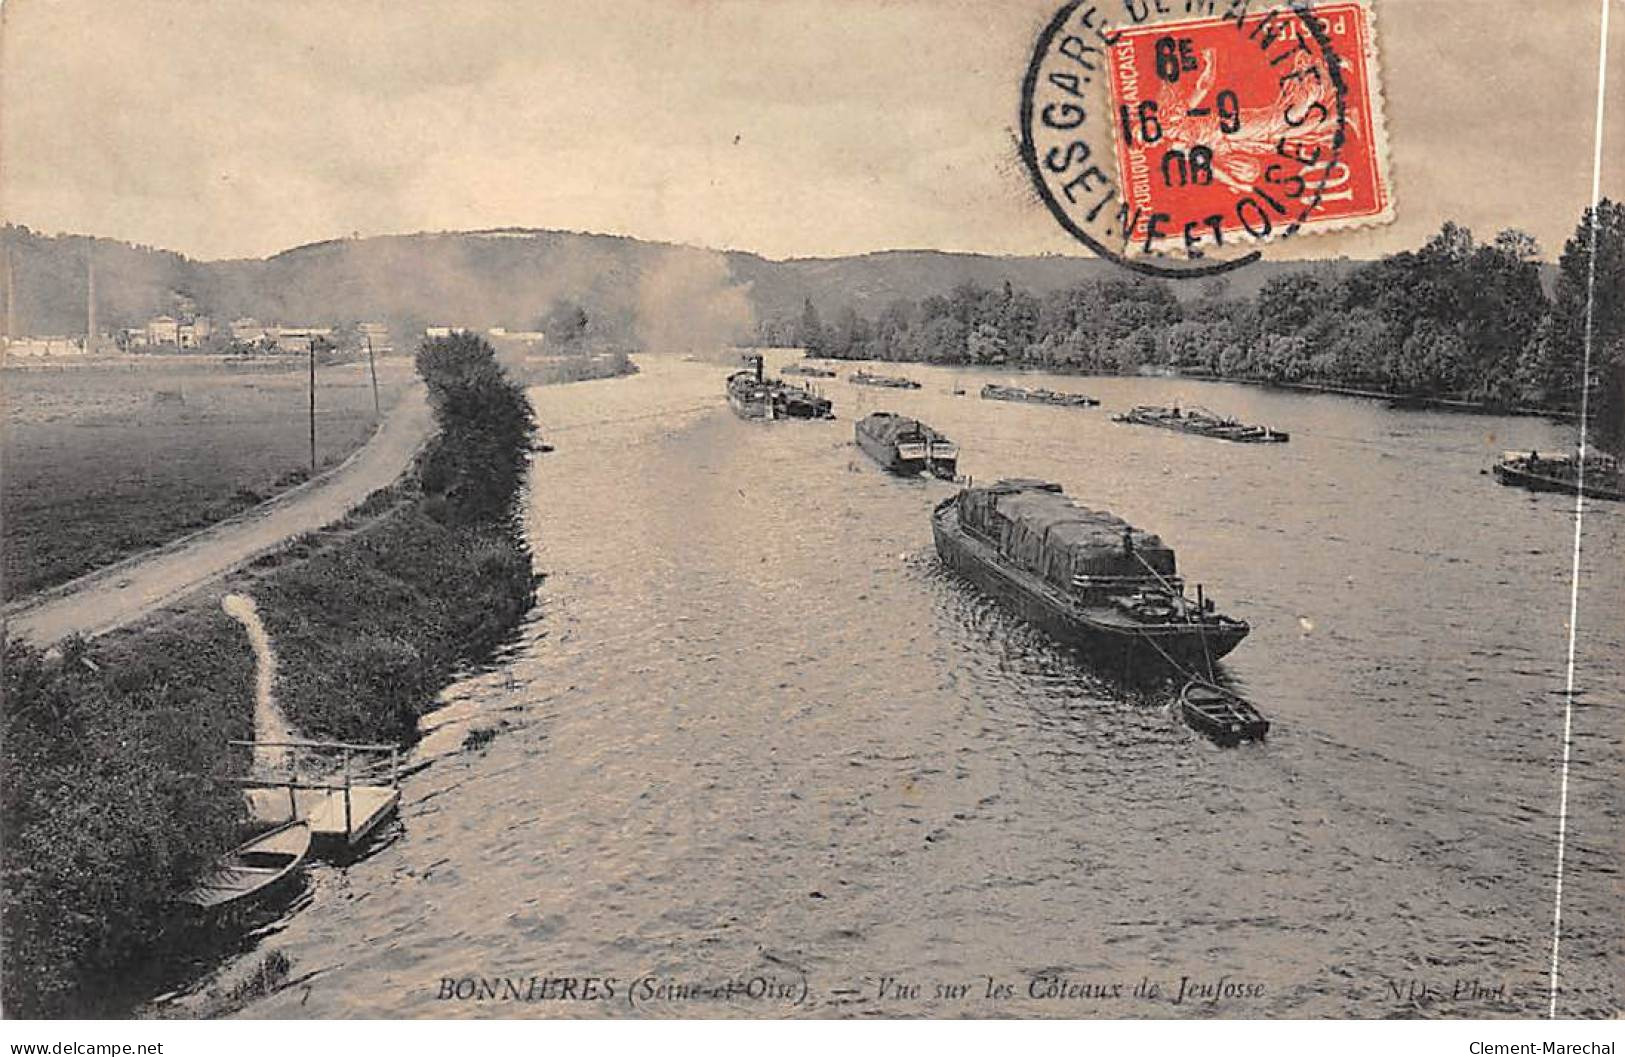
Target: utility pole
{"x": 90, "y": 300}
{"x": 372, "y": 365}
{"x": 11, "y": 298}
{"x": 313, "y": 407}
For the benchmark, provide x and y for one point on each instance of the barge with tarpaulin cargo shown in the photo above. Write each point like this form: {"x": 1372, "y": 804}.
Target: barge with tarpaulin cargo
{"x": 885, "y": 381}
{"x": 807, "y": 370}
{"x": 1020, "y": 394}
{"x": 1561, "y": 472}
{"x": 905, "y": 445}
{"x": 1202, "y": 423}
{"x": 1086, "y": 577}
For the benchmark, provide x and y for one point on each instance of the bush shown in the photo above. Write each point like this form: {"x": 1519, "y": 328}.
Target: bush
{"x": 478, "y": 459}
{"x": 107, "y": 806}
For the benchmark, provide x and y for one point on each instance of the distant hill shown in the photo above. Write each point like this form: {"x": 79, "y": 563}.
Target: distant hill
{"x": 510, "y": 278}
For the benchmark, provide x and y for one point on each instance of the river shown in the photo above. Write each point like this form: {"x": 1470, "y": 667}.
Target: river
{"x": 754, "y": 732}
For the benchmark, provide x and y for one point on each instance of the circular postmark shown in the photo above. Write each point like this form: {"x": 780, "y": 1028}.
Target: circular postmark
{"x": 1177, "y": 136}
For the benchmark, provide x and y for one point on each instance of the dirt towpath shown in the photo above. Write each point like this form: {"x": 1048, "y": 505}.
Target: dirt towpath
{"x": 128, "y": 590}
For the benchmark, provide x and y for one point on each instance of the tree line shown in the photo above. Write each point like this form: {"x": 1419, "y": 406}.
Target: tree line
{"x": 1456, "y": 318}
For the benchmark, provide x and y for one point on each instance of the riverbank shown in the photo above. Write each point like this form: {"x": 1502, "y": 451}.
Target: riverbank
{"x": 1400, "y": 401}
{"x": 1405, "y": 401}
{"x": 113, "y": 748}
{"x": 559, "y": 370}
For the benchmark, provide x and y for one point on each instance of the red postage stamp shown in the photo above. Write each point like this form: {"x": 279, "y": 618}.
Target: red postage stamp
{"x": 1240, "y": 130}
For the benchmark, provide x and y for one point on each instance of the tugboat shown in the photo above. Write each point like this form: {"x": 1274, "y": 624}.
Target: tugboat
{"x": 807, "y": 371}
{"x": 1036, "y": 396}
{"x": 1203, "y": 423}
{"x": 754, "y": 397}
{"x": 886, "y": 380}
{"x": 1086, "y": 577}
{"x": 748, "y": 394}
{"x": 906, "y": 446}
{"x": 1560, "y": 472}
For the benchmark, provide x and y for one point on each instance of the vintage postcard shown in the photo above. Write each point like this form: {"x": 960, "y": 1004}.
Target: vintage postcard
{"x": 813, "y": 509}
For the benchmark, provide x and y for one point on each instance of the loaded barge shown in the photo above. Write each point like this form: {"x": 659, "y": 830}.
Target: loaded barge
{"x": 906, "y": 446}
{"x": 793, "y": 401}
{"x": 1016, "y": 393}
{"x": 1560, "y": 472}
{"x": 885, "y": 380}
{"x": 1086, "y": 577}
{"x": 1203, "y": 423}
{"x": 807, "y": 371}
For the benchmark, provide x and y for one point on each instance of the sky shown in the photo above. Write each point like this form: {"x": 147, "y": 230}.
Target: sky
{"x": 792, "y": 128}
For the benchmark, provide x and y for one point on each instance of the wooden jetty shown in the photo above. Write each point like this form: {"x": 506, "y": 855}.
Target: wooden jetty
{"x": 342, "y": 810}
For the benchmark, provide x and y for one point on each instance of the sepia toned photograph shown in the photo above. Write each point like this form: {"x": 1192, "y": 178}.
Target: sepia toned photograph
{"x": 1102, "y": 510}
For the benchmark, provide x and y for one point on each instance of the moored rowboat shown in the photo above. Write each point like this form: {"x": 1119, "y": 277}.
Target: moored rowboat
{"x": 1223, "y": 715}
{"x": 252, "y": 868}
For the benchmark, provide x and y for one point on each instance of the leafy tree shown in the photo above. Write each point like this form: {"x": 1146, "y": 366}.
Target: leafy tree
{"x": 1288, "y": 302}
{"x": 942, "y": 339}
{"x": 565, "y": 326}
{"x": 477, "y": 461}
{"x": 810, "y": 335}
{"x": 986, "y": 345}
{"x": 1431, "y": 360}
{"x": 1591, "y": 283}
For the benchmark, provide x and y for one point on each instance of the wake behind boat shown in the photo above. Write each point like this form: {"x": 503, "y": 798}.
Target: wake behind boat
{"x": 1018, "y": 394}
{"x": 905, "y": 445}
{"x": 1203, "y": 423}
{"x": 1086, "y": 577}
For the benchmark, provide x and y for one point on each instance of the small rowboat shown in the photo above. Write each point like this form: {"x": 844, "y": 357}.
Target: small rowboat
{"x": 1222, "y": 715}
{"x": 252, "y": 868}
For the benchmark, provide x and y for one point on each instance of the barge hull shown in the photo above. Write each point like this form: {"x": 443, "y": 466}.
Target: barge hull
{"x": 1138, "y": 649}
{"x": 886, "y": 455}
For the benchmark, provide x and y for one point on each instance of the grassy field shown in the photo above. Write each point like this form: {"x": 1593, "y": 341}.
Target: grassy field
{"x": 103, "y": 814}
{"x": 103, "y": 461}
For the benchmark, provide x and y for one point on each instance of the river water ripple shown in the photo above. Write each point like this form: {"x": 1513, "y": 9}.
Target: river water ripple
{"x": 753, "y": 731}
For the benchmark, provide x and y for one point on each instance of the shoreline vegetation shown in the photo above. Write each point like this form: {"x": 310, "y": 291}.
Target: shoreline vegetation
{"x": 562, "y": 370}
{"x": 1455, "y": 324}
{"x": 1407, "y": 400}
{"x": 112, "y": 748}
